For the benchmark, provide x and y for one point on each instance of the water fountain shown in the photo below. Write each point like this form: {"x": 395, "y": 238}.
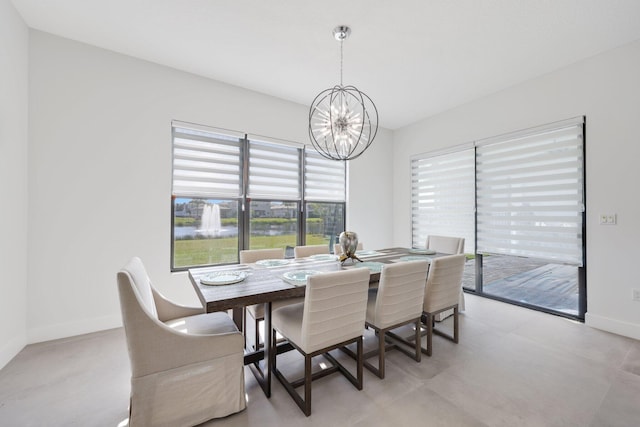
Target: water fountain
{"x": 210, "y": 225}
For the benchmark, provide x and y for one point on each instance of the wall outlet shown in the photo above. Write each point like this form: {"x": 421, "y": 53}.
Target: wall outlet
{"x": 608, "y": 219}
{"x": 635, "y": 294}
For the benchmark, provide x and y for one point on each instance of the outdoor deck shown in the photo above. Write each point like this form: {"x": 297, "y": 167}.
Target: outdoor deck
{"x": 530, "y": 281}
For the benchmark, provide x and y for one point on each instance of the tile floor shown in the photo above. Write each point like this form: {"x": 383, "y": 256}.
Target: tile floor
{"x": 513, "y": 367}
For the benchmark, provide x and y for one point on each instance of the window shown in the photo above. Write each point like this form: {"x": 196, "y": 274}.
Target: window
{"x": 232, "y": 191}
{"x": 530, "y": 194}
{"x": 325, "y": 193}
{"x": 519, "y": 201}
{"x": 442, "y": 197}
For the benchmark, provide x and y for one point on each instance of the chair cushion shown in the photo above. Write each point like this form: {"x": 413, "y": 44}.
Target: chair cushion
{"x": 203, "y": 324}
{"x": 288, "y": 321}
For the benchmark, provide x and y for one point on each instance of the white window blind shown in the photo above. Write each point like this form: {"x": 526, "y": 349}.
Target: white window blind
{"x": 206, "y": 164}
{"x": 324, "y": 179}
{"x": 442, "y": 197}
{"x": 530, "y": 193}
{"x": 274, "y": 171}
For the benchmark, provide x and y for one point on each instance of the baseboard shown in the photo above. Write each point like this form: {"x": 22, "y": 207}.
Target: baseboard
{"x": 70, "y": 329}
{"x": 11, "y": 349}
{"x": 631, "y": 330}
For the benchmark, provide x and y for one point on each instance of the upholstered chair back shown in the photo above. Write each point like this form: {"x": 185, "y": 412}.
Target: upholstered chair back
{"x": 400, "y": 293}
{"x": 334, "y": 308}
{"x": 337, "y": 249}
{"x": 445, "y": 244}
{"x": 141, "y": 283}
{"x": 444, "y": 282}
{"x": 252, "y": 255}
{"x": 305, "y": 251}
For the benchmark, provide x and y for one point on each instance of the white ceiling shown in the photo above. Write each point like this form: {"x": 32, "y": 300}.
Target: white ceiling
{"x": 414, "y": 58}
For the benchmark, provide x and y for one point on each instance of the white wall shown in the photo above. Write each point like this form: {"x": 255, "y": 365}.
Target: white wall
{"x": 100, "y": 174}
{"x": 606, "y": 90}
{"x": 370, "y": 212}
{"x": 14, "y": 44}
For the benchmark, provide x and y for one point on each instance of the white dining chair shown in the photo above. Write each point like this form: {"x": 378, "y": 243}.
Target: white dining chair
{"x": 309, "y": 250}
{"x": 452, "y": 246}
{"x": 254, "y": 314}
{"x": 187, "y": 366}
{"x": 337, "y": 248}
{"x": 442, "y": 293}
{"x": 397, "y": 301}
{"x": 331, "y": 316}
{"x": 446, "y": 244}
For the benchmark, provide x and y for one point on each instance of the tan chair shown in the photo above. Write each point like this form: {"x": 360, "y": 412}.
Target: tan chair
{"x": 397, "y": 301}
{"x": 254, "y": 314}
{"x": 442, "y": 292}
{"x": 186, "y": 366}
{"x": 249, "y": 256}
{"x": 447, "y": 245}
{"x": 332, "y": 316}
{"x": 337, "y": 249}
{"x": 307, "y": 251}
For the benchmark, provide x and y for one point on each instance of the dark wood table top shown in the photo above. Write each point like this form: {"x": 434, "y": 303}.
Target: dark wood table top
{"x": 266, "y": 284}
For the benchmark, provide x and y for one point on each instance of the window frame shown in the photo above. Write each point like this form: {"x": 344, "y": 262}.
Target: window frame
{"x": 244, "y": 198}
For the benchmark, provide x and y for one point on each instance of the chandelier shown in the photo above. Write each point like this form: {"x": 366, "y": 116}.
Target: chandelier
{"x": 343, "y": 121}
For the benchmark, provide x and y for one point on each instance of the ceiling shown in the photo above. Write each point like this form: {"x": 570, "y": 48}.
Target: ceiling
{"x": 414, "y": 58}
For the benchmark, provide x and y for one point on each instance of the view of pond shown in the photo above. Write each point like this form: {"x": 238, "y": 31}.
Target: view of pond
{"x": 192, "y": 232}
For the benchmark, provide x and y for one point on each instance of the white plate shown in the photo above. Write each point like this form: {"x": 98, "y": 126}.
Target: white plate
{"x": 422, "y": 251}
{"x": 323, "y": 257}
{"x": 375, "y": 267}
{"x": 298, "y": 278}
{"x": 272, "y": 262}
{"x": 223, "y": 278}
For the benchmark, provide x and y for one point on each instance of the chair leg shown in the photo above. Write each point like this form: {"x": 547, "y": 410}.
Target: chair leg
{"x": 382, "y": 345}
{"x": 307, "y": 385}
{"x": 418, "y": 348}
{"x": 274, "y": 349}
{"x": 455, "y": 325}
{"x": 360, "y": 363}
{"x": 429, "y": 324}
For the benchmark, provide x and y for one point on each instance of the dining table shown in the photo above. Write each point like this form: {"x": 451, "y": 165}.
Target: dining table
{"x": 235, "y": 286}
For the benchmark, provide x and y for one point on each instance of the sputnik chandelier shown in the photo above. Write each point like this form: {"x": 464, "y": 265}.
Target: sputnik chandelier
{"x": 343, "y": 121}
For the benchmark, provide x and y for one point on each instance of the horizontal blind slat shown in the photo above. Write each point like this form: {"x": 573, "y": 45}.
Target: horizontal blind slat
{"x": 205, "y": 164}
{"x": 325, "y": 180}
{"x": 442, "y": 197}
{"x": 530, "y": 195}
{"x": 274, "y": 171}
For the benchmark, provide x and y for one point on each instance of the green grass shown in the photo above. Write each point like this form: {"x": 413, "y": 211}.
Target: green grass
{"x": 193, "y": 252}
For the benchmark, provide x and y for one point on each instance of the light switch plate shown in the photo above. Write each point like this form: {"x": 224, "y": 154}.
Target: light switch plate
{"x": 608, "y": 219}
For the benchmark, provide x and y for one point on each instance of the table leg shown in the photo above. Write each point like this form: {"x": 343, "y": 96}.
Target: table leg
{"x": 263, "y": 375}
{"x": 269, "y": 353}
{"x": 238, "y": 314}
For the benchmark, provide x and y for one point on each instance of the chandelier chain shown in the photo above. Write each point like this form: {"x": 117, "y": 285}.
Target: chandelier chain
{"x": 341, "y": 43}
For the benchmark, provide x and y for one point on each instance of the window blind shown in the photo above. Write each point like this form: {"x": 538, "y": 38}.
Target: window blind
{"x": 442, "y": 197}
{"x": 274, "y": 171}
{"x": 324, "y": 179}
{"x": 206, "y": 164}
{"x": 530, "y": 193}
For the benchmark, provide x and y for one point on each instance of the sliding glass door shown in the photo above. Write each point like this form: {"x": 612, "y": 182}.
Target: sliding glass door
{"x": 528, "y": 207}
